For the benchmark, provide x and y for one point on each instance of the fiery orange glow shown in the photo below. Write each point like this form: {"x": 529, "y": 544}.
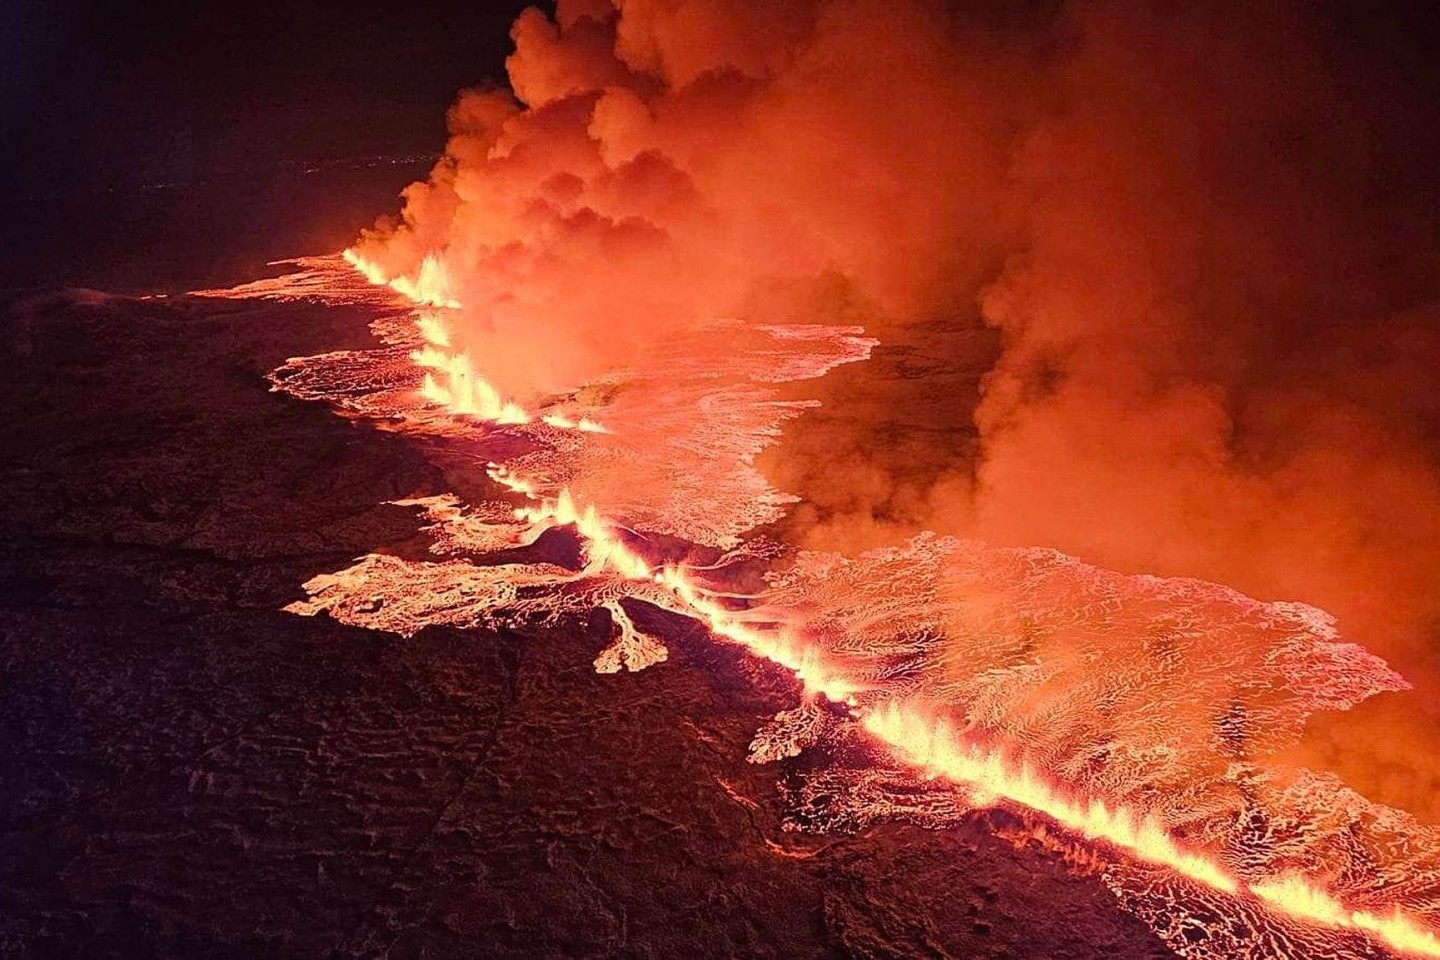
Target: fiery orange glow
{"x": 605, "y": 550}
{"x": 1295, "y": 897}
{"x": 549, "y": 304}
{"x": 932, "y": 745}
{"x": 429, "y": 287}
{"x": 387, "y": 593}
{"x": 451, "y": 380}
{"x": 913, "y": 735}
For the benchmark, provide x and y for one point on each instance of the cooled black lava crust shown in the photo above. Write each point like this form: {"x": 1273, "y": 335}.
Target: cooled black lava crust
{"x": 187, "y": 771}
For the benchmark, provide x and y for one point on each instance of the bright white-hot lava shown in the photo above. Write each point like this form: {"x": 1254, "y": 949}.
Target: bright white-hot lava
{"x": 1135, "y": 712}
{"x": 451, "y": 380}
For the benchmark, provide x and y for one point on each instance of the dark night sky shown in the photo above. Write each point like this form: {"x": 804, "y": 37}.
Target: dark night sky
{"x": 116, "y": 115}
{"x": 135, "y": 131}
{"x": 111, "y": 95}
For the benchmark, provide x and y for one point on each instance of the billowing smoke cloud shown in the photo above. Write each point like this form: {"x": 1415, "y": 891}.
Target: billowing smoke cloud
{"x": 1206, "y": 238}
{"x": 669, "y": 163}
{"x": 1222, "y": 339}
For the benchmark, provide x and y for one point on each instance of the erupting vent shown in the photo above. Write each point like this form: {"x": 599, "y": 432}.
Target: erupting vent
{"x": 1139, "y": 714}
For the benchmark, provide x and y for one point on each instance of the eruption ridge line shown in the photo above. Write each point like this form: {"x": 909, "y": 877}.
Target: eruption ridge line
{"x": 911, "y": 736}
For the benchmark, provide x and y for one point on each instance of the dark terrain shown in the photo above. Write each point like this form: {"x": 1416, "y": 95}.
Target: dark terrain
{"x": 188, "y": 771}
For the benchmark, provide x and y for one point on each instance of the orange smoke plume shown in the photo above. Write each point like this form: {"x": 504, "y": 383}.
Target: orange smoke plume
{"x": 659, "y": 165}
{"x": 1200, "y": 241}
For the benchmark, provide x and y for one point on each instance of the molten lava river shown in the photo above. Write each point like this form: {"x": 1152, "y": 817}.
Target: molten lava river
{"x": 1130, "y": 721}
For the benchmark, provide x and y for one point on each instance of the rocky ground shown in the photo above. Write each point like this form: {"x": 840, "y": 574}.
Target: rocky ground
{"x": 187, "y": 771}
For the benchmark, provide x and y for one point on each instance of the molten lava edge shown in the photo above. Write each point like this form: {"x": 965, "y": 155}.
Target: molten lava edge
{"x": 421, "y": 384}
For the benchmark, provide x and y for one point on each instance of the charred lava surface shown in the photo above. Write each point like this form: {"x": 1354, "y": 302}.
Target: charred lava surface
{"x": 190, "y": 771}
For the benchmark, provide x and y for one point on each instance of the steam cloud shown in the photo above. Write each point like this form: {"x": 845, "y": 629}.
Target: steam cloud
{"x": 1205, "y": 237}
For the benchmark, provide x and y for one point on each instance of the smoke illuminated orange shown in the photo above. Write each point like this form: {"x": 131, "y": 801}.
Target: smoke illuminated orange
{"x": 922, "y": 741}
{"x": 602, "y": 287}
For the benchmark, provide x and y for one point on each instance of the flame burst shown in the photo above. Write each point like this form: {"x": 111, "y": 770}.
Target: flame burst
{"x": 1138, "y": 713}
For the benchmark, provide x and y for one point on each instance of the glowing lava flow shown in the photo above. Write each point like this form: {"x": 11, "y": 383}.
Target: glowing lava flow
{"x": 930, "y": 744}
{"x": 451, "y": 380}
{"x": 604, "y": 550}
{"x": 464, "y": 391}
{"x": 1297, "y": 898}
{"x": 910, "y": 734}
{"x": 430, "y": 287}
